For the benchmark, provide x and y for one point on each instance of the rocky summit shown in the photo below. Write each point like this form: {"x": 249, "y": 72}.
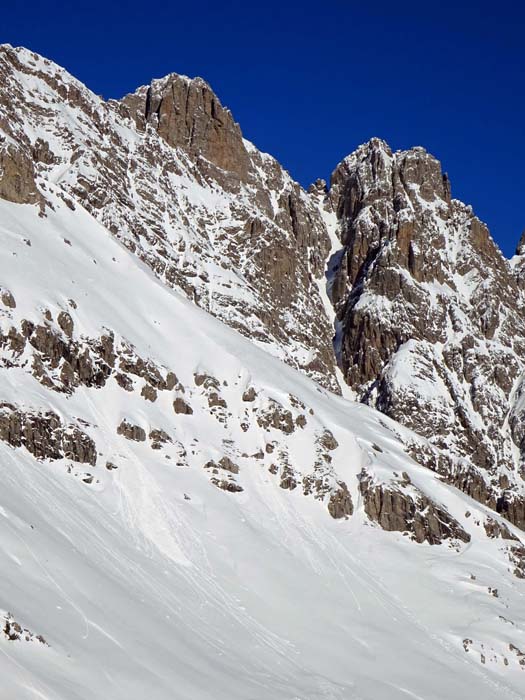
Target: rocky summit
{"x": 256, "y": 442}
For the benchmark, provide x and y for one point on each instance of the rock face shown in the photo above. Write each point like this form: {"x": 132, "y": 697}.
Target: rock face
{"x": 167, "y": 171}
{"x": 62, "y": 362}
{"x": 131, "y": 431}
{"x": 403, "y": 508}
{"x": 44, "y": 435}
{"x": 17, "y": 179}
{"x": 187, "y": 114}
{"x": 432, "y": 318}
{"x": 340, "y": 504}
{"x": 14, "y": 632}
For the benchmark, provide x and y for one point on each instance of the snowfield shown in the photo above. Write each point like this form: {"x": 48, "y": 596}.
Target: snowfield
{"x": 149, "y": 580}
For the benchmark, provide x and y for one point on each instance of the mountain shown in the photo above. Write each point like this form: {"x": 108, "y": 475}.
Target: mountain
{"x": 432, "y": 320}
{"x": 190, "y": 508}
{"x": 246, "y": 245}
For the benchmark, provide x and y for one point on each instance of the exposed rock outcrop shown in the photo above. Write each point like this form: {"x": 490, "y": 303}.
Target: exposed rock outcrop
{"x": 14, "y": 632}
{"x": 432, "y": 318}
{"x": 340, "y": 503}
{"x": 187, "y": 114}
{"x": 181, "y": 406}
{"x": 131, "y": 431}
{"x": 17, "y": 176}
{"x": 44, "y": 436}
{"x": 430, "y": 315}
{"x": 402, "y": 509}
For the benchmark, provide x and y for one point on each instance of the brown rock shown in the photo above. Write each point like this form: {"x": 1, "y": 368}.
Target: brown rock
{"x": 149, "y": 393}
{"x": 44, "y": 436}
{"x": 17, "y": 177}
{"x": 188, "y": 115}
{"x": 227, "y": 485}
{"x": 171, "y": 381}
{"x": 397, "y": 510}
{"x": 215, "y": 400}
{"x": 66, "y": 323}
{"x": 249, "y": 395}
{"x": 288, "y": 480}
{"x": 228, "y": 465}
{"x": 495, "y": 529}
{"x": 328, "y": 441}
{"x": 274, "y": 415}
{"x": 224, "y": 463}
{"x": 124, "y": 381}
{"x": 158, "y": 435}
{"x": 7, "y": 298}
{"x": 180, "y": 406}
{"x": 131, "y": 432}
{"x": 340, "y": 504}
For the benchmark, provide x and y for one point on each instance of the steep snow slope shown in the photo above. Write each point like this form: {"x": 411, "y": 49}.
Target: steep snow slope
{"x": 159, "y": 575}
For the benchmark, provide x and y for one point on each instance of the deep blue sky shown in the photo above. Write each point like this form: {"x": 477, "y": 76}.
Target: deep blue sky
{"x": 309, "y": 81}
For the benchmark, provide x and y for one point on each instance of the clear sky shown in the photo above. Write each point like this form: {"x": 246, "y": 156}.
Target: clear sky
{"x": 309, "y": 81}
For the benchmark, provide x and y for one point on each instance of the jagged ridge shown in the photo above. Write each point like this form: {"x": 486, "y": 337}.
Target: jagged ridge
{"x": 155, "y": 456}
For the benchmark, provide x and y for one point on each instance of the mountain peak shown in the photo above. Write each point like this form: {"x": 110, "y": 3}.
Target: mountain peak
{"x": 408, "y": 175}
{"x": 372, "y": 148}
{"x": 159, "y": 85}
{"x": 187, "y": 114}
{"x": 375, "y": 144}
{"x": 520, "y": 248}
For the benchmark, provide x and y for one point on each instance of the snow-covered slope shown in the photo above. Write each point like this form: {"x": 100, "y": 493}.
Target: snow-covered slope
{"x": 183, "y": 514}
{"x": 148, "y": 577}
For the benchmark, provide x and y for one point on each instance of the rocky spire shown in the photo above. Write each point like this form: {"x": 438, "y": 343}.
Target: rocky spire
{"x": 186, "y": 113}
{"x": 433, "y": 332}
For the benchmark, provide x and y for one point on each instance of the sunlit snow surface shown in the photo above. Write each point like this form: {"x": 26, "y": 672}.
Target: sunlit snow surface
{"x": 260, "y": 595}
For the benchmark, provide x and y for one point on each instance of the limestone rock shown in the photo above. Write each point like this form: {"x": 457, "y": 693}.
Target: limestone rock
{"x": 421, "y": 291}
{"x": 340, "y": 504}
{"x": 7, "y": 298}
{"x": 44, "y": 435}
{"x": 131, "y": 432}
{"x": 14, "y": 632}
{"x": 274, "y": 415}
{"x": 396, "y": 509}
{"x": 224, "y": 463}
{"x": 227, "y": 485}
{"x": 180, "y": 406}
{"x": 269, "y": 241}
{"x": 148, "y": 392}
{"x": 65, "y": 322}
{"x": 17, "y": 177}
{"x": 186, "y": 113}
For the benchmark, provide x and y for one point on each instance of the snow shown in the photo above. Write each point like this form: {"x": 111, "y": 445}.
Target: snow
{"x": 262, "y": 595}
{"x": 150, "y": 580}
{"x": 325, "y": 290}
